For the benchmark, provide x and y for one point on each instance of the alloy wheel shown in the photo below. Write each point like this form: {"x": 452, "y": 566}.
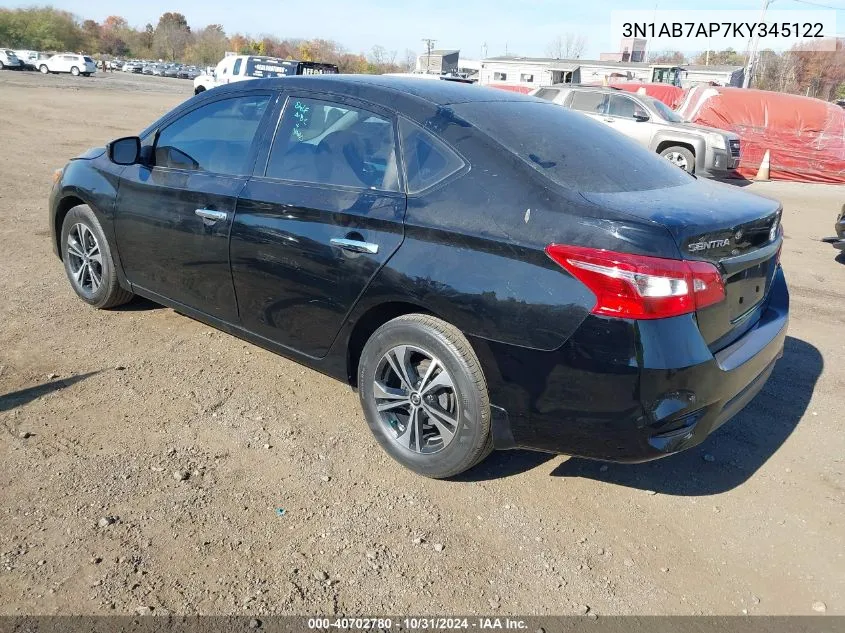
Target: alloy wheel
{"x": 416, "y": 399}
{"x": 85, "y": 259}
{"x": 678, "y": 159}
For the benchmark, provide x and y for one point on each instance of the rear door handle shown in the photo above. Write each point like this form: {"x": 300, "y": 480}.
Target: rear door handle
{"x": 355, "y": 246}
{"x": 211, "y": 214}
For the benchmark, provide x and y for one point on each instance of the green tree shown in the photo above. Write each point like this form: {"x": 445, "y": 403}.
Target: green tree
{"x": 172, "y": 36}
{"x": 208, "y": 47}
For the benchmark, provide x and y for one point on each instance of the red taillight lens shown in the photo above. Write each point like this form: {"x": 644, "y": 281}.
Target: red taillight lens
{"x": 638, "y": 286}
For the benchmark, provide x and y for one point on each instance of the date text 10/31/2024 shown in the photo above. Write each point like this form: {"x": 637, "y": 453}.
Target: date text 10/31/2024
{"x": 419, "y": 623}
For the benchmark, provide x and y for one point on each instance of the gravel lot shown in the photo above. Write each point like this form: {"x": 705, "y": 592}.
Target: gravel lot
{"x": 144, "y": 456}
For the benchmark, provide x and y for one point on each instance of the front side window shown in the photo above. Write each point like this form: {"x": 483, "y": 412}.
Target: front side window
{"x": 526, "y": 77}
{"x": 329, "y": 143}
{"x": 625, "y": 107}
{"x": 428, "y": 160}
{"x": 500, "y": 76}
{"x": 588, "y": 101}
{"x": 216, "y": 137}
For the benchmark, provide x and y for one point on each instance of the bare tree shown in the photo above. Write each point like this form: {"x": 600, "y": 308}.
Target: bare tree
{"x": 410, "y": 60}
{"x": 568, "y": 46}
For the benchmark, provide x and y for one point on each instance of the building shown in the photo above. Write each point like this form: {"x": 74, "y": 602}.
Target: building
{"x": 439, "y": 62}
{"x": 527, "y": 73}
{"x": 631, "y": 49}
{"x": 695, "y": 74}
{"x": 531, "y": 72}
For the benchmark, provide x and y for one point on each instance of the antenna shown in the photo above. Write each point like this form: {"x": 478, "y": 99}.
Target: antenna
{"x": 429, "y": 45}
{"x": 484, "y": 50}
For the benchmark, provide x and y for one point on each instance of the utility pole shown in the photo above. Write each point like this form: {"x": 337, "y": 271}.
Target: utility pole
{"x": 429, "y": 45}
{"x": 484, "y": 50}
{"x": 752, "y": 56}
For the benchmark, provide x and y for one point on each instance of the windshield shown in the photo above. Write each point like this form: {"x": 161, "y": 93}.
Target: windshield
{"x": 569, "y": 148}
{"x": 666, "y": 112}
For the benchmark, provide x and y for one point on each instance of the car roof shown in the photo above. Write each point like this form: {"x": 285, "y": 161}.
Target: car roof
{"x": 375, "y": 86}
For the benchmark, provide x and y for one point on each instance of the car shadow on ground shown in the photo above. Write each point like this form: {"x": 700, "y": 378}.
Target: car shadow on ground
{"x": 138, "y": 304}
{"x": 21, "y": 397}
{"x": 736, "y": 181}
{"x": 734, "y": 452}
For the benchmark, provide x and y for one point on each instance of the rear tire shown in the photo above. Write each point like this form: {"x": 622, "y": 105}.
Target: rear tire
{"x": 680, "y": 157}
{"x": 88, "y": 261}
{"x": 74, "y": 71}
{"x": 434, "y": 420}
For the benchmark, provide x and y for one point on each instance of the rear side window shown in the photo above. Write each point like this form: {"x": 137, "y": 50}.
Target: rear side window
{"x": 587, "y": 101}
{"x": 428, "y": 160}
{"x": 569, "y": 149}
{"x": 549, "y": 94}
{"x": 330, "y": 143}
{"x": 216, "y": 137}
{"x": 237, "y": 67}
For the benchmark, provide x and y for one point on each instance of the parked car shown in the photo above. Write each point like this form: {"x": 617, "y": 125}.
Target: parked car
{"x": 838, "y": 241}
{"x": 158, "y": 70}
{"x": 133, "y": 67}
{"x": 8, "y": 60}
{"x": 68, "y": 63}
{"x": 482, "y": 283}
{"x": 116, "y": 64}
{"x": 188, "y": 72}
{"x": 29, "y": 59}
{"x": 697, "y": 149}
{"x": 148, "y": 69}
{"x": 171, "y": 70}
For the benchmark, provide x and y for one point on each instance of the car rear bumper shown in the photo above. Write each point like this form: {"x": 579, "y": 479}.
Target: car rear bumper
{"x": 631, "y": 391}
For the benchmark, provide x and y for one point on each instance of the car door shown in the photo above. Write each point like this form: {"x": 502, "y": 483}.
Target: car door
{"x": 173, "y": 215}
{"x": 317, "y": 221}
{"x": 593, "y": 103}
{"x": 628, "y": 116}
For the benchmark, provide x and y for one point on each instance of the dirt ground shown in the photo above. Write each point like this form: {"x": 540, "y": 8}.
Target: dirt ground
{"x": 104, "y": 414}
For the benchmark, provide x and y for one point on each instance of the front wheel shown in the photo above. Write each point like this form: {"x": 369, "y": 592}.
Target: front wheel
{"x": 88, "y": 261}
{"x": 680, "y": 157}
{"x": 424, "y": 395}
{"x": 44, "y": 70}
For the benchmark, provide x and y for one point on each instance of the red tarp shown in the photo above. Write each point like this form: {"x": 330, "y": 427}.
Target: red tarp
{"x": 805, "y": 137}
{"x": 672, "y": 96}
{"x": 520, "y": 89}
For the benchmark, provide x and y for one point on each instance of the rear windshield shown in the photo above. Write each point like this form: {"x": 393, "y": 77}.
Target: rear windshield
{"x": 571, "y": 149}
{"x": 269, "y": 67}
{"x": 88, "y": 59}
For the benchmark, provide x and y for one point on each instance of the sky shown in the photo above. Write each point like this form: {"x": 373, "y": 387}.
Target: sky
{"x": 520, "y": 27}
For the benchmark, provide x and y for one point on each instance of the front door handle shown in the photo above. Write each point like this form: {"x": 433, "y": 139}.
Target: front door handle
{"x": 355, "y": 246}
{"x": 212, "y": 215}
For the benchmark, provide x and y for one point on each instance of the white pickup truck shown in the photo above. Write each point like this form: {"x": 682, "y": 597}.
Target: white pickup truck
{"x": 242, "y": 67}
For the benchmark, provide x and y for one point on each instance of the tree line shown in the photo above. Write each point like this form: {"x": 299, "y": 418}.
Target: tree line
{"x": 803, "y": 69}
{"x": 173, "y": 39}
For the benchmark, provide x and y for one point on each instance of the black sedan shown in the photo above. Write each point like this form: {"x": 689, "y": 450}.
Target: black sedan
{"x": 487, "y": 269}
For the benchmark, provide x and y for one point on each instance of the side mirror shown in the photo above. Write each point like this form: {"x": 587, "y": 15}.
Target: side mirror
{"x": 125, "y": 151}
{"x": 641, "y": 118}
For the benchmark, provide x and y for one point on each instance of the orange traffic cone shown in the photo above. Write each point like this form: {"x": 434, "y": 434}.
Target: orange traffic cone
{"x": 763, "y": 172}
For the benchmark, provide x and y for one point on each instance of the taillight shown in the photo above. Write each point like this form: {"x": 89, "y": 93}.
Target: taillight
{"x": 638, "y": 286}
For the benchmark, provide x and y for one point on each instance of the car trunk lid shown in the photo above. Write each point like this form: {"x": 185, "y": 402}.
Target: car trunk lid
{"x": 718, "y": 223}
